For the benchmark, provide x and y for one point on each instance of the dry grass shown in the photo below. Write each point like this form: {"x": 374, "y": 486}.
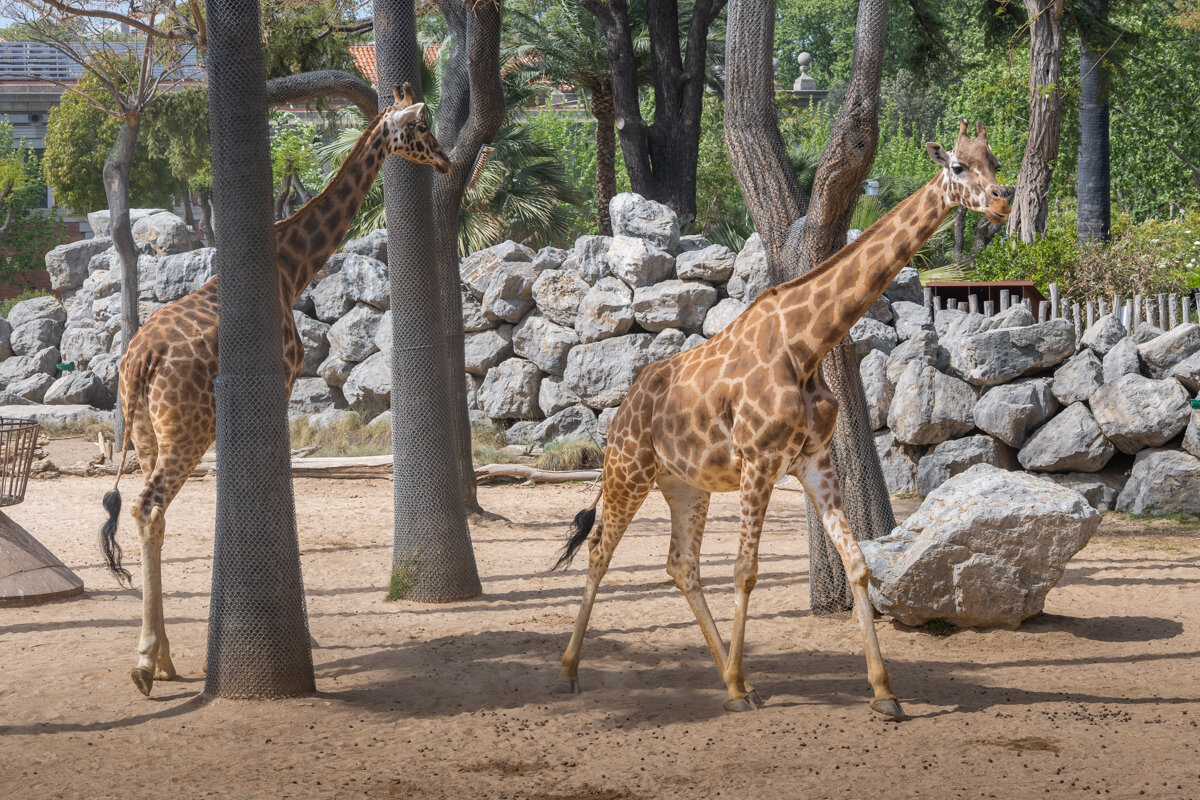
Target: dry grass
{"x": 565, "y": 455}
{"x": 87, "y": 429}
{"x": 487, "y": 445}
{"x": 346, "y": 438}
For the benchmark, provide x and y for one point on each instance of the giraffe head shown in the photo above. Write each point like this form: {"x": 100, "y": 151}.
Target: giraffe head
{"x": 407, "y": 133}
{"x": 969, "y": 174}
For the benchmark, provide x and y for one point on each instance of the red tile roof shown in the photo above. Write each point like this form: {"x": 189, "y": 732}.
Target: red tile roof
{"x": 364, "y": 59}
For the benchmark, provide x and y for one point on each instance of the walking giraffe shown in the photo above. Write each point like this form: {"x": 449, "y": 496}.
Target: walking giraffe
{"x": 749, "y": 406}
{"x": 167, "y": 372}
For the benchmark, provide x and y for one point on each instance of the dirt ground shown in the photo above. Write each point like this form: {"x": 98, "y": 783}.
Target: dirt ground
{"x": 1098, "y": 696}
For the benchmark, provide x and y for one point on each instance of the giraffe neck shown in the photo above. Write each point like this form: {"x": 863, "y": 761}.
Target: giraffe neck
{"x": 856, "y": 276}
{"x": 309, "y": 237}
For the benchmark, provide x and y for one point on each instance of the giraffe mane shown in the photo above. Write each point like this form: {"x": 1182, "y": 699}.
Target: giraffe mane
{"x": 338, "y": 177}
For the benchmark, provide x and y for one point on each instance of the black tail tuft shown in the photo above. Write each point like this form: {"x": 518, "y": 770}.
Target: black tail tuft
{"x": 108, "y": 539}
{"x": 580, "y": 529}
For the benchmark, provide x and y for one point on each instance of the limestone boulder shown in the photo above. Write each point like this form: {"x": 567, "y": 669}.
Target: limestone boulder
{"x": 998, "y": 356}
{"x": 181, "y": 274}
{"x": 1146, "y": 332}
{"x": 673, "y": 304}
{"x": 164, "y": 232}
{"x": 353, "y": 336}
{"x": 906, "y": 287}
{"x": 605, "y": 311}
{"x": 67, "y": 264}
{"x": 750, "y": 277}
{"x": 373, "y": 245}
{"x": 473, "y": 318}
{"x": 983, "y": 550}
{"x": 953, "y": 326}
{"x": 635, "y": 216}
{"x": 667, "y": 343}
{"x": 601, "y": 373}
{"x": 1011, "y": 411}
{"x": 557, "y": 294}
{"x": 1078, "y": 377}
{"x": 1103, "y": 335}
{"x": 1121, "y": 360}
{"x": 929, "y": 407}
{"x": 604, "y": 422}
{"x": 312, "y": 395}
{"x": 549, "y": 258}
{"x": 44, "y": 307}
{"x": 1162, "y": 482}
{"x": 899, "y": 462}
{"x": 922, "y": 347}
{"x": 335, "y": 371}
{"x": 554, "y": 396}
{"x": 18, "y": 368}
{"x": 329, "y": 418}
{"x": 509, "y": 295}
{"x": 314, "y": 336}
{"x": 486, "y": 349}
{"x": 83, "y": 344}
{"x": 881, "y": 310}
{"x": 510, "y": 390}
{"x": 330, "y": 300}
{"x": 476, "y": 269}
{"x": 106, "y": 368}
{"x": 956, "y": 456}
{"x": 877, "y": 388}
{"x": 1015, "y": 316}
{"x": 572, "y": 422}
{"x": 713, "y": 264}
{"x": 870, "y": 334}
{"x": 695, "y": 340}
{"x": 1100, "y": 489}
{"x": 29, "y": 390}
{"x": 721, "y": 314}
{"x": 1162, "y": 353}
{"x": 589, "y": 257}
{"x": 365, "y": 280}
{"x": 383, "y": 334}
{"x": 1135, "y": 412}
{"x": 637, "y": 262}
{"x": 910, "y": 319}
{"x": 1069, "y": 442}
{"x": 368, "y": 387}
{"x": 1187, "y": 372}
{"x": 35, "y": 335}
{"x": 5, "y": 339}
{"x": 544, "y": 343}
{"x": 101, "y": 222}
{"x": 692, "y": 241}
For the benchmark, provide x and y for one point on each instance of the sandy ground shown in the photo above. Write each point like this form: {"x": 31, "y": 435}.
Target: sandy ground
{"x": 1098, "y": 696}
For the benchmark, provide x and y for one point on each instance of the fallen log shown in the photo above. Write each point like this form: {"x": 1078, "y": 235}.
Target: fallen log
{"x": 490, "y": 471}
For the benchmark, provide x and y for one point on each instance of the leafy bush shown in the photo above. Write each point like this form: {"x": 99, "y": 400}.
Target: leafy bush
{"x": 7, "y": 305}
{"x": 1049, "y": 259}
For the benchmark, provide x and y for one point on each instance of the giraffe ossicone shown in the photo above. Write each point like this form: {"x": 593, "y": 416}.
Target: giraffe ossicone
{"x": 168, "y": 368}
{"x": 750, "y": 406}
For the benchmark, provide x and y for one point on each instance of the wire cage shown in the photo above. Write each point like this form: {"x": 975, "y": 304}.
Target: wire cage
{"x": 18, "y": 440}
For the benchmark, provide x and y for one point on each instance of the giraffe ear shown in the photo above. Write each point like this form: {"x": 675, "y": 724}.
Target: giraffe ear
{"x": 411, "y": 113}
{"x": 937, "y": 153}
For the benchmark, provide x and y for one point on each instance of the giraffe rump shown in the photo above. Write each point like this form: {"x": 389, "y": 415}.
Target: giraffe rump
{"x": 108, "y": 539}
{"x": 580, "y": 528}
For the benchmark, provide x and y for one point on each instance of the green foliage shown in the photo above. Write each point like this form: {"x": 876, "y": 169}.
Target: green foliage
{"x": 1049, "y": 259}
{"x": 293, "y": 30}
{"x": 7, "y": 305}
{"x": 294, "y": 149}
{"x": 404, "y": 577}
{"x": 176, "y": 129}
{"x": 32, "y": 230}
{"x": 721, "y": 214}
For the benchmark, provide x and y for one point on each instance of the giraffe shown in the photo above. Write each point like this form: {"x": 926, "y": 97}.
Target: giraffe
{"x": 749, "y": 406}
{"x": 167, "y": 371}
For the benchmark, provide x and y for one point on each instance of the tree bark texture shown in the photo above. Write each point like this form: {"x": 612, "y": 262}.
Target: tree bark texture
{"x": 660, "y": 158}
{"x": 606, "y": 155}
{"x": 324, "y": 83}
{"x": 116, "y": 188}
{"x": 1031, "y": 199}
{"x": 1094, "y": 218}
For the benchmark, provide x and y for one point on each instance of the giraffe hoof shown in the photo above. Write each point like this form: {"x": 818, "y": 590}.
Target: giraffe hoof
{"x": 164, "y": 674}
{"x": 143, "y": 679}
{"x": 888, "y": 707}
{"x": 740, "y": 704}
{"x": 567, "y": 687}
{"x": 754, "y": 699}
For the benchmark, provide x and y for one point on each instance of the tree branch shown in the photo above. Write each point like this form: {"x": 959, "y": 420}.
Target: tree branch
{"x": 324, "y": 83}
{"x": 176, "y": 34}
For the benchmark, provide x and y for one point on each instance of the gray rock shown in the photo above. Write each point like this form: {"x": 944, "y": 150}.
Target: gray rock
{"x": 750, "y": 277}
{"x": 5, "y": 339}
{"x": 876, "y": 387}
{"x": 997, "y": 356}
{"x": 509, "y": 295}
{"x": 554, "y": 396}
{"x": 983, "y": 550}
{"x": 1162, "y": 482}
{"x": 373, "y": 245}
{"x": 852, "y": 234}
{"x": 147, "y": 277}
{"x": 1163, "y": 352}
{"x": 573, "y": 422}
{"x": 1186, "y": 372}
{"x": 74, "y": 388}
{"x": 870, "y": 334}
{"x": 330, "y": 300}
{"x": 353, "y": 336}
{"x": 1015, "y": 316}
{"x": 486, "y": 349}
{"x": 1070, "y": 442}
{"x": 1191, "y": 435}
{"x": 929, "y": 407}
{"x": 20, "y": 367}
{"x": 634, "y": 215}
{"x": 558, "y": 293}
{"x": 953, "y": 326}
{"x": 1104, "y": 333}
{"x": 472, "y": 385}
{"x": 1076, "y": 379}
{"x": 383, "y": 334}
{"x": 714, "y": 264}
{"x": 56, "y": 414}
{"x": 476, "y": 269}
{"x": 590, "y": 257}
{"x": 332, "y": 266}
{"x": 637, "y": 262}
{"x": 604, "y": 421}
{"x": 335, "y": 371}
{"x": 601, "y": 373}
{"x": 690, "y": 242}
{"x": 106, "y": 367}
{"x": 368, "y": 387}
{"x": 329, "y": 417}
{"x": 545, "y": 344}
{"x": 82, "y": 345}
{"x": 1099, "y": 489}
{"x": 695, "y": 340}
{"x": 366, "y": 281}
{"x": 314, "y": 336}
{"x": 473, "y": 318}
{"x": 673, "y": 304}
{"x": 923, "y": 347}
{"x": 881, "y": 310}
{"x": 721, "y": 314}
{"x": 549, "y": 258}
{"x": 1146, "y": 333}
{"x": 311, "y": 395}
{"x": 382, "y": 418}
{"x": 522, "y": 432}
{"x": 30, "y": 390}
{"x": 899, "y": 462}
{"x": 1010, "y": 411}
{"x": 906, "y": 286}
{"x": 166, "y": 233}
{"x": 667, "y": 343}
{"x": 910, "y": 319}
{"x": 304, "y": 303}
{"x": 101, "y": 224}
{"x": 1135, "y": 412}
{"x": 1122, "y": 359}
{"x": 44, "y": 307}
{"x": 956, "y": 456}
{"x": 67, "y": 264}
{"x": 35, "y": 335}
{"x": 510, "y": 390}
{"x": 181, "y": 274}
{"x": 605, "y": 311}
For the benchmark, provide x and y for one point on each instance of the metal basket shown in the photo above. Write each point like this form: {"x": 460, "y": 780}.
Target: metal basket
{"x": 18, "y": 440}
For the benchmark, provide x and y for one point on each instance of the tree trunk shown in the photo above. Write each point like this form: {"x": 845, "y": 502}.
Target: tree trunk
{"x": 1094, "y": 217}
{"x": 1031, "y": 198}
{"x": 984, "y": 233}
{"x": 116, "y": 188}
{"x": 606, "y": 156}
{"x": 960, "y": 225}
{"x": 206, "y": 227}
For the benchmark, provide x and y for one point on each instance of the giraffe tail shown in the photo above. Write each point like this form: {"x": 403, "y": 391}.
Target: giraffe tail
{"x": 579, "y": 531}
{"x": 108, "y": 530}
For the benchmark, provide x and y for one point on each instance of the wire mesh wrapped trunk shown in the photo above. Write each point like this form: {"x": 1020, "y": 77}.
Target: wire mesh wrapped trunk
{"x": 432, "y": 558}
{"x": 258, "y": 644}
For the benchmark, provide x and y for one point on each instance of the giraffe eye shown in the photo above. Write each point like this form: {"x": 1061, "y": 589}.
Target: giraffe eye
{"x": 422, "y": 128}
{"x": 958, "y": 169}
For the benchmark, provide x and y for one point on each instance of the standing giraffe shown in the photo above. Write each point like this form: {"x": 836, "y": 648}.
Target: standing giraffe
{"x": 749, "y": 406}
{"x": 168, "y": 369}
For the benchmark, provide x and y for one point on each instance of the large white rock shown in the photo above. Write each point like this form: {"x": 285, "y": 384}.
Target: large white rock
{"x": 336, "y": 371}
{"x": 877, "y": 388}
{"x": 720, "y": 315}
{"x": 922, "y": 347}
{"x": 899, "y": 462}
{"x": 476, "y": 269}
{"x": 179, "y": 274}
{"x": 997, "y": 356}
{"x": 929, "y": 407}
{"x": 871, "y": 334}
{"x": 549, "y": 258}
{"x": 1010, "y": 411}
{"x": 1104, "y": 333}
{"x": 165, "y": 233}
{"x": 634, "y": 215}
{"x": 312, "y": 395}
{"x": 35, "y": 335}
{"x": 983, "y": 550}
{"x": 81, "y": 345}
{"x": 1099, "y": 489}
{"x": 602, "y": 372}
{"x": 750, "y": 277}
{"x": 673, "y": 304}
{"x": 314, "y": 336}
{"x": 510, "y": 390}
{"x": 67, "y": 264}
{"x": 373, "y": 245}
{"x": 554, "y": 396}
{"x": 44, "y": 307}
{"x": 353, "y": 336}
{"x": 1135, "y": 412}
{"x": 509, "y": 293}
{"x": 637, "y": 262}
{"x": 713, "y": 263}
{"x": 573, "y": 422}
{"x": 605, "y": 311}
{"x": 383, "y": 334}
{"x": 1186, "y": 372}
{"x": 589, "y": 257}
{"x": 472, "y": 312}
{"x": 1070, "y": 442}
{"x": 910, "y": 319}
{"x": 18, "y": 368}
{"x": 952, "y": 457}
{"x": 366, "y": 281}
{"x": 368, "y": 387}
{"x": 486, "y": 349}
{"x": 330, "y": 300}
{"x": 558, "y": 293}
{"x": 28, "y": 390}
{"x": 906, "y": 286}
{"x": 1121, "y": 359}
{"x": 101, "y": 224}
{"x": 1163, "y": 352}
{"x": 1076, "y": 379}
{"x": 545, "y": 344}
{"x": 74, "y": 388}
{"x": 1162, "y": 482}
{"x": 1015, "y": 316}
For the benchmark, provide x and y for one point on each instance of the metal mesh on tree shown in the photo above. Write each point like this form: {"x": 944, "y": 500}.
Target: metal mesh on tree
{"x": 258, "y": 644}
{"x": 432, "y": 558}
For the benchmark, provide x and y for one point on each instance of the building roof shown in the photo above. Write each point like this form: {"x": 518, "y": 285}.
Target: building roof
{"x": 364, "y": 59}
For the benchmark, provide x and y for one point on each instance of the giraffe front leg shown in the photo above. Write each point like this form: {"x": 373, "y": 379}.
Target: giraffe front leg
{"x": 153, "y": 656}
{"x": 821, "y": 481}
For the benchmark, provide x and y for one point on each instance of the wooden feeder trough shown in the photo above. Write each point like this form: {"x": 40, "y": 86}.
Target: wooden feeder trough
{"x": 29, "y": 573}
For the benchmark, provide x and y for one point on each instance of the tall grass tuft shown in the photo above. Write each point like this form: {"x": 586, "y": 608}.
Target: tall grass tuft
{"x": 566, "y": 455}
{"x": 348, "y": 437}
